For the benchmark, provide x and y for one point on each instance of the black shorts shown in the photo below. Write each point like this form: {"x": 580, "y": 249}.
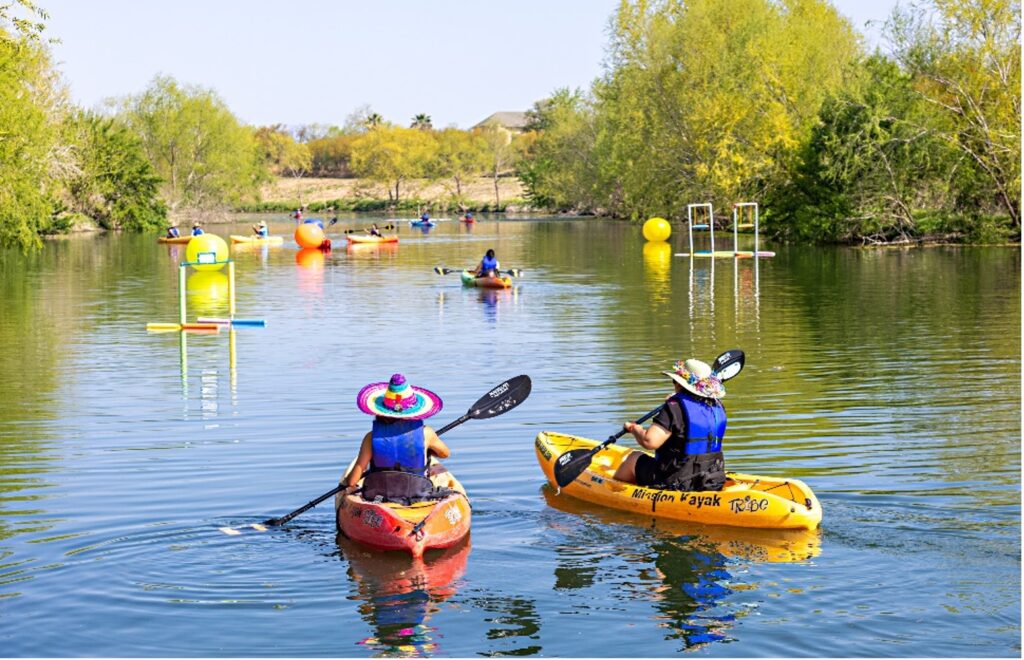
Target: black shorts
{"x": 646, "y": 470}
{"x": 696, "y": 473}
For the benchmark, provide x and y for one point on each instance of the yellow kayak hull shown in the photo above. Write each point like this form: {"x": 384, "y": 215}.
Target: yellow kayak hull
{"x": 745, "y": 501}
{"x": 257, "y": 240}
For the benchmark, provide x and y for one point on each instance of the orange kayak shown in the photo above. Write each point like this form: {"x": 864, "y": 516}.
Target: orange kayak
{"x": 413, "y": 528}
{"x": 469, "y": 279}
{"x": 176, "y": 239}
{"x": 354, "y": 239}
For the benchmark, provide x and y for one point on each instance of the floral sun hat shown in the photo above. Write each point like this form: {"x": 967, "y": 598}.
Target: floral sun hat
{"x": 398, "y": 399}
{"x": 696, "y": 377}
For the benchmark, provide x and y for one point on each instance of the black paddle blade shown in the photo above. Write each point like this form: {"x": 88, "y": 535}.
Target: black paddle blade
{"x": 502, "y": 398}
{"x": 728, "y": 364}
{"x": 572, "y": 463}
{"x": 439, "y": 270}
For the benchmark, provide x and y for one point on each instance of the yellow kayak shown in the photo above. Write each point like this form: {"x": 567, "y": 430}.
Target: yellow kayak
{"x": 174, "y": 239}
{"x": 748, "y": 543}
{"x": 746, "y": 500}
{"x": 257, "y": 240}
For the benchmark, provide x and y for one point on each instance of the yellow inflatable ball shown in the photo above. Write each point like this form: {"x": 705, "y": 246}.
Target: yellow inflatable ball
{"x": 207, "y": 248}
{"x": 309, "y": 235}
{"x": 657, "y": 229}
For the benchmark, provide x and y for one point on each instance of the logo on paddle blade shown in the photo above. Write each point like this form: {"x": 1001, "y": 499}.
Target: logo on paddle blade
{"x": 564, "y": 459}
{"x": 498, "y": 391}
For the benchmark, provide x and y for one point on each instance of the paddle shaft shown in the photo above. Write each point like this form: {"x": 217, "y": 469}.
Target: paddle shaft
{"x": 514, "y": 272}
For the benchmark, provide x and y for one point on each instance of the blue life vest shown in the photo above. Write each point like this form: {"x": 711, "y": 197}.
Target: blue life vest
{"x": 263, "y": 232}
{"x": 705, "y": 424}
{"x": 489, "y": 264}
{"x": 425, "y": 217}
{"x": 399, "y": 445}
{"x": 173, "y": 232}
{"x": 196, "y": 231}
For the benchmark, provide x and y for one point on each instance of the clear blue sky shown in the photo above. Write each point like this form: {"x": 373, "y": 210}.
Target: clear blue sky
{"x": 315, "y": 61}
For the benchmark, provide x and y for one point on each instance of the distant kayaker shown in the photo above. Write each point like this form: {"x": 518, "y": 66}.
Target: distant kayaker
{"x": 172, "y": 231}
{"x": 686, "y": 435}
{"x": 399, "y": 440}
{"x": 488, "y": 266}
{"x": 425, "y": 217}
{"x": 196, "y": 229}
{"x": 298, "y": 214}
{"x": 261, "y": 229}
{"x": 374, "y": 230}
{"x": 469, "y": 217}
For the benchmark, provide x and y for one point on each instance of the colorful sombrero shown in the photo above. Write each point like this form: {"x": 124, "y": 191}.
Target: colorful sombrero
{"x": 696, "y": 377}
{"x": 398, "y": 399}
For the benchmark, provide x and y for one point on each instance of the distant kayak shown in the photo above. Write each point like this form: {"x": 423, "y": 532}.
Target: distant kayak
{"x": 257, "y": 240}
{"x": 176, "y": 239}
{"x": 469, "y": 279}
{"x": 412, "y": 527}
{"x": 367, "y": 239}
{"x": 421, "y": 223}
{"x": 468, "y": 221}
{"x": 746, "y": 500}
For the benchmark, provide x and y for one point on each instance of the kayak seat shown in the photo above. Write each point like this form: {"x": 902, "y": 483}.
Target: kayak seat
{"x": 401, "y": 488}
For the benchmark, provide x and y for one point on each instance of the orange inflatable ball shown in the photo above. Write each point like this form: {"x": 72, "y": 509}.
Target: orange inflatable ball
{"x": 309, "y": 235}
{"x": 310, "y": 258}
{"x": 657, "y": 229}
{"x": 207, "y": 252}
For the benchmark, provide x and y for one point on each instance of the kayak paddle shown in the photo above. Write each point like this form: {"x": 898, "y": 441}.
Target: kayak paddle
{"x": 512, "y": 272}
{"x": 498, "y": 401}
{"x": 572, "y": 463}
{"x": 352, "y": 231}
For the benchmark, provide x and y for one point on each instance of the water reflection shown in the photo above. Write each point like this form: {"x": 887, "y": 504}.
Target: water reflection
{"x": 207, "y": 293}
{"x": 373, "y": 251}
{"x": 494, "y": 299}
{"x": 399, "y": 594}
{"x": 686, "y": 571}
{"x": 658, "y": 270}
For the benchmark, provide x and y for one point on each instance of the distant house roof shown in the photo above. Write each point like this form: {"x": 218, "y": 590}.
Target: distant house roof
{"x": 513, "y": 121}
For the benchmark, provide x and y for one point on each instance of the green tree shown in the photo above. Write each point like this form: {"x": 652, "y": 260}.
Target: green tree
{"x": 558, "y": 169}
{"x": 22, "y": 20}
{"x": 391, "y": 155}
{"x": 204, "y": 155}
{"x": 964, "y": 56}
{"x": 422, "y": 122}
{"x": 331, "y": 155}
{"x": 867, "y": 167}
{"x": 30, "y": 107}
{"x": 502, "y": 151}
{"x": 113, "y": 181}
{"x": 282, "y": 154}
{"x": 459, "y": 155}
{"x": 701, "y": 100}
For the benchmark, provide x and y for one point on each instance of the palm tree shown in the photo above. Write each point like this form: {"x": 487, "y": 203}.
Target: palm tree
{"x": 422, "y": 122}
{"x": 373, "y": 120}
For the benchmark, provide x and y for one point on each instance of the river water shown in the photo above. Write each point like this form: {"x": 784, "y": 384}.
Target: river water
{"x": 888, "y": 380}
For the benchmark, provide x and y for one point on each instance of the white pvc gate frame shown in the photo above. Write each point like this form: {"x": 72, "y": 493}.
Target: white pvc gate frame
{"x": 736, "y": 226}
{"x": 710, "y": 226}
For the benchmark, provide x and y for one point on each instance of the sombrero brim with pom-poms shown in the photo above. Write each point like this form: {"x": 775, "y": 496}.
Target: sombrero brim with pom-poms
{"x": 419, "y": 403}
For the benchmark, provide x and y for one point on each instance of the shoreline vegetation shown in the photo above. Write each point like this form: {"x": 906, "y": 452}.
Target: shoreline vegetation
{"x": 916, "y": 142}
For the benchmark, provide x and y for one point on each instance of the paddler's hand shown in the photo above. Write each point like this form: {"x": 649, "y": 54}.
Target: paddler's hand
{"x": 629, "y": 426}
